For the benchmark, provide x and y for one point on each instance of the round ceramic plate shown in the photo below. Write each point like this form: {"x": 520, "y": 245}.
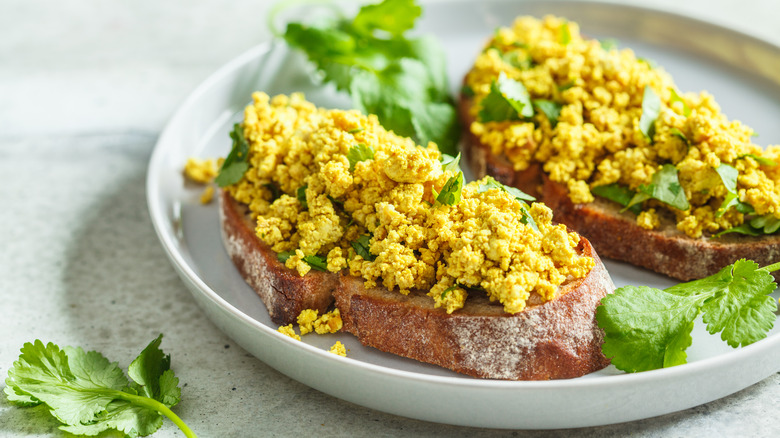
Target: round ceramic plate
{"x": 740, "y": 70}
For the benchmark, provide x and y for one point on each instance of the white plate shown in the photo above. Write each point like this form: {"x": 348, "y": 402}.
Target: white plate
{"x": 739, "y": 70}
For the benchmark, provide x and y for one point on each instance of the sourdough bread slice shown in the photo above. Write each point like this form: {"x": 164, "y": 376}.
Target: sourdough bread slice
{"x": 284, "y": 292}
{"x": 615, "y": 234}
{"x": 553, "y": 340}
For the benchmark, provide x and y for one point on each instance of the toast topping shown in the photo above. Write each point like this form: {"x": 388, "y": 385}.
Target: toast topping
{"x": 603, "y": 121}
{"x": 332, "y": 189}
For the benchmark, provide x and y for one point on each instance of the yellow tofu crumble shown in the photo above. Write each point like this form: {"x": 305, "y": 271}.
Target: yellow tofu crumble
{"x": 339, "y": 349}
{"x": 311, "y": 197}
{"x": 289, "y": 331}
{"x": 597, "y": 139}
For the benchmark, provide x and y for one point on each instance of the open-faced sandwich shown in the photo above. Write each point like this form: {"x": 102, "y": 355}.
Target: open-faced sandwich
{"x": 325, "y": 207}
{"x": 650, "y": 175}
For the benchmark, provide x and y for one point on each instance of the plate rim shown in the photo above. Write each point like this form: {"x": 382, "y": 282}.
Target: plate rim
{"x": 174, "y": 252}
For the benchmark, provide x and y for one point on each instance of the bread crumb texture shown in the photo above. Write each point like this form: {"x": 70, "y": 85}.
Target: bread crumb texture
{"x": 336, "y": 185}
{"x": 597, "y": 139}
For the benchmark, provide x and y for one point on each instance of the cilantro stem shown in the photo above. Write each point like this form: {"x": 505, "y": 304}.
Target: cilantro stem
{"x": 770, "y": 268}
{"x": 159, "y": 407}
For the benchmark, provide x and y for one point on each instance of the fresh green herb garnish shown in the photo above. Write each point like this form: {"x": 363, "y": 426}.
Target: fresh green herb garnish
{"x": 402, "y": 80}
{"x": 744, "y": 228}
{"x": 450, "y": 193}
{"x": 91, "y": 395}
{"x": 651, "y": 107}
{"x": 760, "y": 160}
{"x": 357, "y": 153}
{"x": 284, "y": 255}
{"x": 609, "y": 44}
{"x": 552, "y": 110}
{"x": 767, "y": 223}
{"x": 448, "y": 162}
{"x": 467, "y": 91}
{"x": 617, "y": 193}
{"x": 508, "y": 100}
{"x": 564, "y": 34}
{"x": 728, "y": 175}
{"x": 362, "y": 247}
{"x": 300, "y": 194}
{"x": 677, "y": 133}
{"x": 355, "y": 131}
{"x": 647, "y": 328}
{"x": 514, "y": 59}
{"x": 447, "y": 291}
{"x": 566, "y": 86}
{"x": 676, "y": 98}
{"x": 490, "y": 184}
{"x": 316, "y": 262}
{"x": 235, "y": 164}
{"x": 665, "y": 187}
{"x": 276, "y": 192}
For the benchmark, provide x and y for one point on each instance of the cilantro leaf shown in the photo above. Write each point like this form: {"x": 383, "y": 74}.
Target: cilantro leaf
{"x": 401, "y": 80}
{"x": 551, "y": 110}
{"x": 760, "y": 160}
{"x": 679, "y": 134}
{"x": 508, "y": 100}
{"x": 676, "y": 98}
{"x": 316, "y": 262}
{"x": 451, "y": 191}
{"x": 744, "y": 228}
{"x": 362, "y": 247}
{"x": 767, "y": 223}
{"x": 90, "y": 395}
{"x": 392, "y": 16}
{"x": 300, "y": 194}
{"x": 617, "y": 193}
{"x": 665, "y": 187}
{"x": 284, "y": 255}
{"x": 647, "y": 328}
{"x": 651, "y": 108}
{"x": 448, "y": 162}
{"x": 235, "y": 164}
{"x": 609, "y": 44}
{"x": 490, "y": 184}
{"x": 564, "y": 34}
{"x": 357, "y": 153}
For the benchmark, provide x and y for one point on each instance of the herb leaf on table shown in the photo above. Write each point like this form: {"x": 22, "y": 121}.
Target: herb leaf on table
{"x": 90, "y": 395}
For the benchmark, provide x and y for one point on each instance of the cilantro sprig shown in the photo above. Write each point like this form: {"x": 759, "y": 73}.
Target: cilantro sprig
{"x": 316, "y": 262}
{"x": 651, "y": 108}
{"x": 357, "y": 153}
{"x": 451, "y": 191}
{"x": 236, "y": 163}
{"x": 647, "y": 328}
{"x": 665, "y": 187}
{"x": 91, "y": 395}
{"x": 508, "y": 99}
{"x": 402, "y": 80}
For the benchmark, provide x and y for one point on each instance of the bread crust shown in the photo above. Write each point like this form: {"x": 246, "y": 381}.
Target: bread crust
{"x": 284, "y": 292}
{"x": 554, "y": 340}
{"x": 615, "y": 234}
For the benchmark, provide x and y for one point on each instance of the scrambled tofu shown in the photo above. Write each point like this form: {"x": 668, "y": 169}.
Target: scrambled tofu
{"x": 598, "y": 138}
{"x": 288, "y": 330}
{"x": 202, "y": 172}
{"x": 334, "y": 190}
{"x": 339, "y": 349}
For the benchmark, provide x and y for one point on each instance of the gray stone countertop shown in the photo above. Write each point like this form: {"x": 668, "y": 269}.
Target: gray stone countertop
{"x": 85, "y": 88}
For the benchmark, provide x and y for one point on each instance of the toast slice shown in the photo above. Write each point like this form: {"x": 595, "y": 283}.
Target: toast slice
{"x": 284, "y": 292}
{"x": 615, "y": 234}
{"x": 552, "y": 340}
